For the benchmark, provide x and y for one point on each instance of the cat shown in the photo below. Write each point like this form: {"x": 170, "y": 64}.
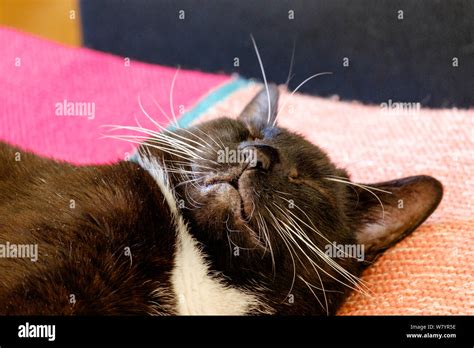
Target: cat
{"x": 179, "y": 230}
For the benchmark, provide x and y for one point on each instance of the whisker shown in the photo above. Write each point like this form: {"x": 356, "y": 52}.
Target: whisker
{"x": 167, "y": 150}
{"x": 139, "y": 100}
{"x": 298, "y": 232}
{"x": 218, "y": 145}
{"x": 264, "y": 77}
{"x": 158, "y": 105}
{"x": 175, "y": 147}
{"x": 370, "y": 187}
{"x": 364, "y": 187}
{"x": 164, "y": 129}
{"x": 172, "y": 162}
{"x": 171, "y": 97}
{"x": 236, "y": 231}
{"x": 249, "y": 218}
{"x": 338, "y": 268}
{"x": 312, "y": 227}
{"x": 296, "y": 89}
{"x": 288, "y": 246}
{"x": 290, "y": 70}
{"x": 314, "y": 294}
{"x": 156, "y": 136}
{"x": 268, "y": 243}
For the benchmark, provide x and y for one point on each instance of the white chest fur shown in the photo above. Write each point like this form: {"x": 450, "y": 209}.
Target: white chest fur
{"x": 198, "y": 291}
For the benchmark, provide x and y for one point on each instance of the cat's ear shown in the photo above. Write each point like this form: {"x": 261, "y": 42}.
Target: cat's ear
{"x": 261, "y": 111}
{"x": 391, "y": 210}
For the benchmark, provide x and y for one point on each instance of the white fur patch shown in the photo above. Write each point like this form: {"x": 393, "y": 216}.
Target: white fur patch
{"x": 198, "y": 291}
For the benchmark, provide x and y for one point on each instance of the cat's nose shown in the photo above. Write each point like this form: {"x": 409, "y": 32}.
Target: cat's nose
{"x": 261, "y": 157}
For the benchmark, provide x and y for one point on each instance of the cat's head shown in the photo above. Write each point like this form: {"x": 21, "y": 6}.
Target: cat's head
{"x": 275, "y": 215}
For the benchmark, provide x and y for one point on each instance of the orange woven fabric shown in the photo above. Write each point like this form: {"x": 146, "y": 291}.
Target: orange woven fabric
{"x": 431, "y": 272}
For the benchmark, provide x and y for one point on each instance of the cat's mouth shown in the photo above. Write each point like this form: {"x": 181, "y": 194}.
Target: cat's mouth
{"x": 234, "y": 191}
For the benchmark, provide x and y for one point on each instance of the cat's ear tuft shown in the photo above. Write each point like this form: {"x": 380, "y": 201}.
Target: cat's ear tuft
{"x": 261, "y": 111}
{"x": 387, "y": 212}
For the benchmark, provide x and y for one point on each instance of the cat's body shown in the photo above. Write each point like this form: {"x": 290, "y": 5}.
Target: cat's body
{"x": 182, "y": 233}
{"x": 82, "y": 219}
{"x": 111, "y": 241}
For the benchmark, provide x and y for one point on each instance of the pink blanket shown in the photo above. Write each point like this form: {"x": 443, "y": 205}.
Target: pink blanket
{"x": 55, "y": 99}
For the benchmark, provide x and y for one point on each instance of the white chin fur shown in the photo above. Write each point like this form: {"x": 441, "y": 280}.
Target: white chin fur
{"x": 198, "y": 290}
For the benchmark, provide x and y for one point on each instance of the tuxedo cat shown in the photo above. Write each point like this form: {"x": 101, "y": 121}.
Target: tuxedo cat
{"x": 184, "y": 229}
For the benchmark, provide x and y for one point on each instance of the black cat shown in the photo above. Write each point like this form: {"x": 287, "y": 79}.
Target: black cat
{"x": 226, "y": 217}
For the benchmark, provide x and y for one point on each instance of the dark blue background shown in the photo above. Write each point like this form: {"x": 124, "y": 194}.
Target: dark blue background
{"x": 408, "y": 60}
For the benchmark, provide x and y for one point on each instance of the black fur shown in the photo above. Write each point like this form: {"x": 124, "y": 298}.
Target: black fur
{"x": 82, "y": 249}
